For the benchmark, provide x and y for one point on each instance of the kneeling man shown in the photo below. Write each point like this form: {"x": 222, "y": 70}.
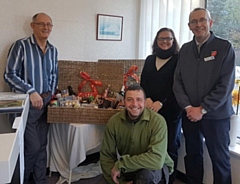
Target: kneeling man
{"x": 134, "y": 148}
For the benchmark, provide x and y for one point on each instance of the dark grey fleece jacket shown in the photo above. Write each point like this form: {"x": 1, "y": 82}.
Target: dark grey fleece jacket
{"x": 207, "y": 78}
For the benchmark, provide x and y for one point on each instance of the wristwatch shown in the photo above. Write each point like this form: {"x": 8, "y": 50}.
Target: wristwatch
{"x": 203, "y": 111}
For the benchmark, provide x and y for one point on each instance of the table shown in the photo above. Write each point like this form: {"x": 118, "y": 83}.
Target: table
{"x": 68, "y": 146}
{"x": 13, "y": 143}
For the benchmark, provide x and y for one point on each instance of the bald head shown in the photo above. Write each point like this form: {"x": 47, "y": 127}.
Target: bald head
{"x": 34, "y": 18}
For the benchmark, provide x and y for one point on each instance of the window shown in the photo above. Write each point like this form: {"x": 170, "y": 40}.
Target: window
{"x": 155, "y": 14}
{"x": 225, "y": 15}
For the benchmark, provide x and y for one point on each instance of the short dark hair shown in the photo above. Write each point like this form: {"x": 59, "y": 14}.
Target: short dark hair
{"x": 135, "y": 87}
{"x": 199, "y": 8}
{"x": 175, "y": 42}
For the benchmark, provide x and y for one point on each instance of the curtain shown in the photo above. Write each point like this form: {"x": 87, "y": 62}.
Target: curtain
{"x": 155, "y": 14}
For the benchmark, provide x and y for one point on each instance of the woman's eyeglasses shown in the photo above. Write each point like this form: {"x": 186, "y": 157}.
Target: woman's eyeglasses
{"x": 161, "y": 39}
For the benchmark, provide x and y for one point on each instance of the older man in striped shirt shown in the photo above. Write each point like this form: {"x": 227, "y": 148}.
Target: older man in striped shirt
{"x": 32, "y": 68}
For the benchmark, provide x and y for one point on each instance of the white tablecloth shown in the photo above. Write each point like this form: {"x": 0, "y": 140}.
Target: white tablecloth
{"x": 68, "y": 146}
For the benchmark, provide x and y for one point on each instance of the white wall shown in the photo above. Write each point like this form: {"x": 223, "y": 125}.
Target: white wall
{"x": 74, "y": 30}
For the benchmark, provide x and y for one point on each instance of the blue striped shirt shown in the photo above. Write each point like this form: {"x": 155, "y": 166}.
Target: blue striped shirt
{"x": 29, "y": 70}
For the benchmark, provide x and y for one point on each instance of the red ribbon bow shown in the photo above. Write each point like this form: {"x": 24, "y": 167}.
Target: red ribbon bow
{"x": 93, "y": 84}
{"x": 131, "y": 73}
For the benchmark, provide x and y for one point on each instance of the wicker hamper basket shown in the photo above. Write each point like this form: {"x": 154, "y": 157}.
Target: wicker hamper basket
{"x": 107, "y": 73}
{"x": 127, "y": 64}
{"x": 80, "y": 115}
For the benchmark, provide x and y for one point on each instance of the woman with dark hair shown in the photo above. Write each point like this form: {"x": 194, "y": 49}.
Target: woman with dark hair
{"x": 157, "y": 82}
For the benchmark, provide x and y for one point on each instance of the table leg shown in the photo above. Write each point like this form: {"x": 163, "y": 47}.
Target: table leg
{"x": 70, "y": 177}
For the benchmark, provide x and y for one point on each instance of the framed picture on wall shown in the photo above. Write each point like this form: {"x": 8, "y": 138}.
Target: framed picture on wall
{"x": 109, "y": 27}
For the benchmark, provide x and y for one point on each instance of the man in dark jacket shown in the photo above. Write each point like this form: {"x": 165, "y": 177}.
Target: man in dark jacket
{"x": 203, "y": 82}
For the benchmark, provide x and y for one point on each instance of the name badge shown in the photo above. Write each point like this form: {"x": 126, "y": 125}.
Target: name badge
{"x": 209, "y": 58}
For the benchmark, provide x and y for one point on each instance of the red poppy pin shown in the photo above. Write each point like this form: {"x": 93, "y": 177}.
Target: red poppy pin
{"x": 214, "y": 53}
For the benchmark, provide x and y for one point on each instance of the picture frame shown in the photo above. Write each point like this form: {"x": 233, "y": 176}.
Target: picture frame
{"x": 109, "y": 27}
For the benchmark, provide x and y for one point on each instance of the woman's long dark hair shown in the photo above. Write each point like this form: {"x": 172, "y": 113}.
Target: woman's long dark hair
{"x": 175, "y": 43}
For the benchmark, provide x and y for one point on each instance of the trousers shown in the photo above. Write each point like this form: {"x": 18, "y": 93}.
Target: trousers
{"x": 144, "y": 176}
{"x": 35, "y": 142}
{"x": 216, "y": 134}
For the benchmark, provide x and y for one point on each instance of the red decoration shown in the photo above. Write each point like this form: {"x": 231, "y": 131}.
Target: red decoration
{"x": 131, "y": 73}
{"x": 93, "y": 84}
{"x": 214, "y": 53}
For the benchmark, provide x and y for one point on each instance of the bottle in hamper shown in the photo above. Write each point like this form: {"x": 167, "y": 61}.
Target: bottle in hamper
{"x": 122, "y": 92}
{"x": 70, "y": 91}
{"x": 119, "y": 98}
{"x": 105, "y": 94}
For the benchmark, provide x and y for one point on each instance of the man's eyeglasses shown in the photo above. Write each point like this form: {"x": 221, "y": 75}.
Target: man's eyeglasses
{"x": 195, "y": 21}
{"x": 161, "y": 39}
{"x": 41, "y": 24}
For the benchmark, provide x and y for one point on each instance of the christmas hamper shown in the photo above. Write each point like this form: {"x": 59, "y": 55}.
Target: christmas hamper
{"x": 85, "y": 79}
